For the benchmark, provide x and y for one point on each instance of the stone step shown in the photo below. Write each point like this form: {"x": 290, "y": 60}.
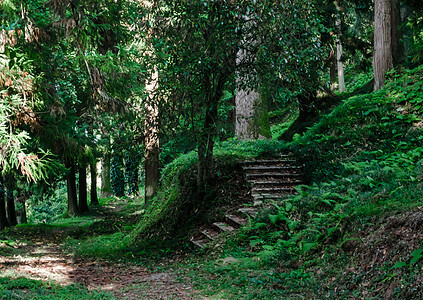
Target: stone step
{"x": 224, "y": 227}
{"x": 266, "y": 162}
{"x": 276, "y": 181}
{"x": 210, "y": 234}
{"x": 273, "y": 175}
{"x": 260, "y": 190}
{"x": 271, "y": 168}
{"x": 252, "y": 212}
{"x": 200, "y": 243}
{"x": 235, "y": 220}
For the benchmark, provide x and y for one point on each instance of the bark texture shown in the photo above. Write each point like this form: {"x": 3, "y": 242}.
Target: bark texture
{"x": 3, "y": 218}
{"x": 11, "y": 210}
{"x": 106, "y": 186}
{"x": 93, "y": 191}
{"x": 250, "y": 112}
{"x": 382, "y": 59}
{"x": 340, "y": 65}
{"x": 71, "y": 188}
{"x": 152, "y": 173}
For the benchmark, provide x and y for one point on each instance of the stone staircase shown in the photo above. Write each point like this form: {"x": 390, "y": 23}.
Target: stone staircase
{"x": 269, "y": 180}
{"x": 272, "y": 179}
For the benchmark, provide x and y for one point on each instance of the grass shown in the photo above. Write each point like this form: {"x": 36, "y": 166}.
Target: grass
{"x": 24, "y": 288}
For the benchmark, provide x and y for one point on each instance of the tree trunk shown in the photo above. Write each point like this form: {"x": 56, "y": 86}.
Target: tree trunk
{"x": 11, "y": 211}
{"x": 3, "y": 219}
{"x": 106, "y": 186}
{"x": 71, "y": 188}
{"x": 250, "y": 111}
{"x": 207, "y": 136}
{"x": 83, "y": 201}
{"x": 382, "y": 59}
{"x": 152, "y": 173}
{"x": 332, "y": 69}
{"x": 340, "y": 65}
{"x": 21, "y": 214}
{"x": 93, "y": 191}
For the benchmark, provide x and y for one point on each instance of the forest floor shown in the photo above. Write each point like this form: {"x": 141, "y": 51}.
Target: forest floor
{"x": 37, "y": 252}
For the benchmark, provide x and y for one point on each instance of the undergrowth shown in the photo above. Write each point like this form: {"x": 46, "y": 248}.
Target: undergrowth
{"x": 363, "y": 162}
{"x": 25, "y": 288}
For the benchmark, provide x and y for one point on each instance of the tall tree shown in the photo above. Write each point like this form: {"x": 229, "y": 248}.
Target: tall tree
{"x": 10, "y": 200}
{"x": 3, "y": 217}
{"x": 71, "y": 187}
{"x": 196, "y": 48}
{"x": 383, "y": 37}
{"x": 339, "y": 50}
{"x": 152, "y": 145}
{"x": 93, "y": 190}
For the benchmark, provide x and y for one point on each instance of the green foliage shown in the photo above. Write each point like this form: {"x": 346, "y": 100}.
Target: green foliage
{"x": 43, "y": 207}
{"x": 364, "y": 163}
{"x": 25, "y": 288}
{"x": 117, "y": 173}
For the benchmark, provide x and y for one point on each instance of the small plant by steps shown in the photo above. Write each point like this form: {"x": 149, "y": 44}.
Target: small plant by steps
{"x": 270, "y": 179}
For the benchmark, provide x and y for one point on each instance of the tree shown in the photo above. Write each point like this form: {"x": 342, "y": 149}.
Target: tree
{"x": 195, "y": 54}
{"x": 10, "y": 200}
{"x": 339, "y": 51}
{"x": 152, "y": 145}
{"x": 384, "y": 38}
{"x": 3, "y": 217}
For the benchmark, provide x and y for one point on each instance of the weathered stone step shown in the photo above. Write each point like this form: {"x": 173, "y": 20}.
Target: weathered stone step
{"x": 210, "y": 234}
{"x": 276, "y": 181}
{"x": 235, "y": 220}
{"x": 259, "y": 190}
{"x": 252, "y": 212}
{"x": 273, "y": 196}
{"x": 224, "y": 227}
{"x": 265, "y": 162}
{"x": 273, "y": 175}
{"x": 269, "y": 168}
{"x": 200, "y": 243}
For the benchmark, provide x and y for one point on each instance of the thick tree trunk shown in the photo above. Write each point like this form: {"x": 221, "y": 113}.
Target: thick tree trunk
{"x": 93, "y": 191}
{"x": 3, "y": 219}
{"x": 382, "y": 59}
{"x": 11, "y": 211}
{"x": 152, "y": 173}
{"x": 333, "y": 70}
{"x": 252, "y": 121}
{"x": 71, "y": 188}
{"x": 106, "y": 186}
{"x": 341, "y": 77}
{"x": 340, "y": 65}
{"x": 83, "y": 199}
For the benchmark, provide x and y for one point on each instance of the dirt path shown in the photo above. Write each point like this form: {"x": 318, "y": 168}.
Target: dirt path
{"x": 44, "y": 259}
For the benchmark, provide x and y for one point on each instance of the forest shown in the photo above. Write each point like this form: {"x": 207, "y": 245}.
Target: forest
{"x": 211, "y": 149}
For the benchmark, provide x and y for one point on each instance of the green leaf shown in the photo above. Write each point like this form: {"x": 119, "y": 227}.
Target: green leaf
{"x": 288, "y": 206}
{"x": 417, "y": 254}
{"x": 399, "y": 264}
{"x": 268, "y": 247}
